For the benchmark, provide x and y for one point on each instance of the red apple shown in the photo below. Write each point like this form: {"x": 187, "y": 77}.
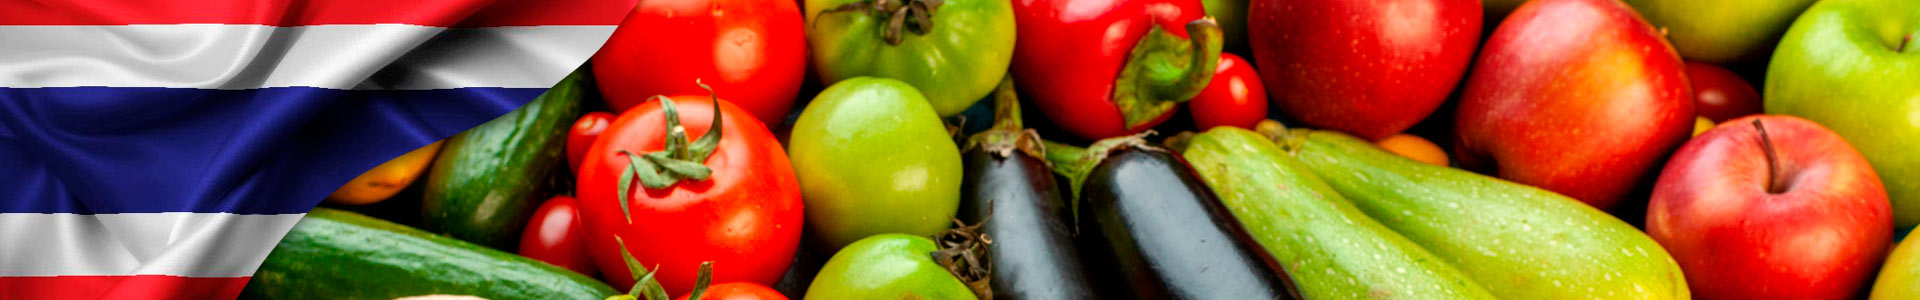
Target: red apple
{"x": 1721, "y": 95}
{"x": 1580, "y": 97}
{"x": 1370, "y": 68}
{"x": 1790, "y": 211}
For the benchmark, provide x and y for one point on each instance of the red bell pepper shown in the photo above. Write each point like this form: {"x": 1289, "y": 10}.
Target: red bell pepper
{"x": 1106, "y": 68}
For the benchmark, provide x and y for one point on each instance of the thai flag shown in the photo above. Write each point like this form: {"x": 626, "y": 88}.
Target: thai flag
{"x": 155, "y": 149}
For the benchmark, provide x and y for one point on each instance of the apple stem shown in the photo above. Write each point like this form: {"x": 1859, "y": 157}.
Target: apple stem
{"x": 1773, "y": 160}
{"x": 1903, "y": 44}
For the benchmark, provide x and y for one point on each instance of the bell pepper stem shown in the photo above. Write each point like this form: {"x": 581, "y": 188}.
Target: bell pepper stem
{"x": 1164, "y": 70}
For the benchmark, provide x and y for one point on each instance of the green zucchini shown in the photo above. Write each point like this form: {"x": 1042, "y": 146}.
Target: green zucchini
{"x": 1521, "y": 242}
{"x": 1331, "y": 249}
{"x": 334, "y": 254}
{"x": 488, "y": 180}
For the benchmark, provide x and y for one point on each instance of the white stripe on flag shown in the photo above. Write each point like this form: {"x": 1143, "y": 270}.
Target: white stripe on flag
{"x": 237, "y": 57}
{"x": 176, "y": 244}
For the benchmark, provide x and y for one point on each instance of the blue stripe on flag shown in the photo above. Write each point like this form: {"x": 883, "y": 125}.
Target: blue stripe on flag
{"x": 100, "y": 150}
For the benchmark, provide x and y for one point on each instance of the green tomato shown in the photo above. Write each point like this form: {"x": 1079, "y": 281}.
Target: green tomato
{"x": 887, "y": 266}
{"x": 873, "y": 158}
{"x": 955, "y": 61}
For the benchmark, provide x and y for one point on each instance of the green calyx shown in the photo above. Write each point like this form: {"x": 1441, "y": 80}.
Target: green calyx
{"x": 1165, "y": 69}
{"x": 680, "y": 160}
{"x": 645, "y": 287}
{"x": 1075, "y": 162}
{"x": 896, "y": 12}
{"x": 1007, "y": 134}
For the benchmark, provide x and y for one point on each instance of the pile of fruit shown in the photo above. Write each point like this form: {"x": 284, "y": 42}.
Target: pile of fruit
{"x": 885, "y": 149}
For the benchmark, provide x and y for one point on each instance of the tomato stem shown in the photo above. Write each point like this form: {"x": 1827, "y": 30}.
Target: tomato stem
{"x": 648, "y": 288}
{"x": 644, "y": 286}
{"x": 1164, "y": 70}
{"x": 680, "y": 160}
{"x": 963, "y": 251}
{"x": 896, "y": 13}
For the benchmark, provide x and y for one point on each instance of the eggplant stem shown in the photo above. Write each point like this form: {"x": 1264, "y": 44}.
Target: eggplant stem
{"x": 1007, "y": 134}
{"x": 1075, "y": 163}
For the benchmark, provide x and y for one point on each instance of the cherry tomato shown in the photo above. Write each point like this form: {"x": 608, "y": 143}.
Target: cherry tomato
{"x": 1719, "y": 94}
{"x": 555, "y": 236}
{"x": 739, "y": 291}
{"x": 1235, "y": 97}
{"x": 745, "y": 216}
{"x": 753, "y": 51}
{"x": 582, "y": 135}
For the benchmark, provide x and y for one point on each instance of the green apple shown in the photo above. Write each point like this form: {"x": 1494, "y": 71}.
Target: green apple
{"x": 1849, "y": 65}
{"x": 1721, "y": 31}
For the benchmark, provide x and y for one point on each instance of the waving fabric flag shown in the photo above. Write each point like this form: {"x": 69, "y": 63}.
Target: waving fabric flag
{"x": 155, "y": 149}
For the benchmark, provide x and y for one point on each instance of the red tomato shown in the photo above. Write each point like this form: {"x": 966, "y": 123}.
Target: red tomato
{"x": 739, "y": 291}
{"x": 745, "y": 218}
{"x": 1235, "y": 97}
{"x": 555, "y": 236}
{"x": 752, "y": 51}
{"x": 1068, "y": 54}
{"x": 582, "y": 135}
{"x": 1721, "y": 95}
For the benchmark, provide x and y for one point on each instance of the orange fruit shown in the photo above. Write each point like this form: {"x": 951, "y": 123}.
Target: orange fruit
{"x": 1412, "y": 146}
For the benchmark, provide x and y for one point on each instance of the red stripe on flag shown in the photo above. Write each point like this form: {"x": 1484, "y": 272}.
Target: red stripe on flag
{"x": 121, "y": 287}
{"x": 437, "y": 13}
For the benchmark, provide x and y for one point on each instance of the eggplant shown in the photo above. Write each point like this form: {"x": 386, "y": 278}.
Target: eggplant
{"x": 1157, "y": 231}
{"x": 1018, "y": 203}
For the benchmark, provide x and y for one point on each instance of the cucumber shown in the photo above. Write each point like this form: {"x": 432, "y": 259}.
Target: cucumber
{"x": 334, "y": 254}
{"x": 1331, "y": 248}
{"x": 488, "y": 180}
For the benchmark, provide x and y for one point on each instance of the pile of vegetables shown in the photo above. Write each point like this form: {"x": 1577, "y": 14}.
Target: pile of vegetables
{"x": 888, "y": 149}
